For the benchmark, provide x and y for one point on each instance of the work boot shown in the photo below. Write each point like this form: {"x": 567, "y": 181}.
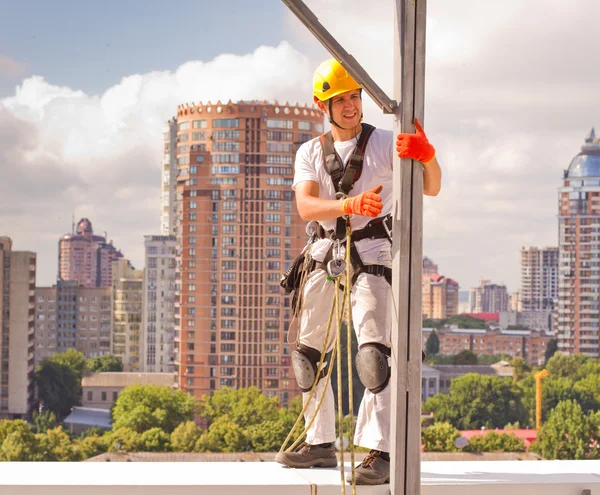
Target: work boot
{"x": 306, "y": 456}
{"x": 373, "y": 470}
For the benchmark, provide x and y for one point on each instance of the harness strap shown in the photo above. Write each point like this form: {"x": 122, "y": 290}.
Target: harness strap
{"x": 375, "y": 229}
{"x": 343, "y": 180}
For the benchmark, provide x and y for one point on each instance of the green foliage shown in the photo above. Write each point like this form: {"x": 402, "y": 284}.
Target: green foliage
{"x": 54, "y": 445}
{"x": 244, "y": 407}
{"x": 466, "y": 356}
{"x": 44, "y": 421}
{"x": 104, "y": 363}
{"x": 495, "y": 442}
{"x": 568, "y": 434}
{"x": 551, "y": 349}
{"x": 432, "y": 346}
{"x": 440, "y": 437}
{"x": 123, "y": 439}
{"x": 17, "y": 441}
{"x": 571, "y": 378}
{"x": 72, "y": 359}
{"x": 267, "y": 436}
{"x": 185, "y": 436}
{"x": 520, "y": 368}
{"x": 476, "y": 400}
{"x": 90, "y": 446}
{"x": 143, "y": 407}
{"x": 223, "y": 435}
{"x": 58, "y": 386}
{"x": 463, "y": 321}
{"x": 493, "y": 358}
{"x": 563, "y": 366}
{"x": 155, "y": 440}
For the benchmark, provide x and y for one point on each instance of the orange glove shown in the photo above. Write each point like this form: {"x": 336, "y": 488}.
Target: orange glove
{"x": 367, "y": 204}
{"x": 415, "y": 146}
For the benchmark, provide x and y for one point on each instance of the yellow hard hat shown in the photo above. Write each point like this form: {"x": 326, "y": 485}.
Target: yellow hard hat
{"x": 331, "y": 79}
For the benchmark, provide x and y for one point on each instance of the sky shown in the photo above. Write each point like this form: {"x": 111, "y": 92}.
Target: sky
{"x": 512, "y": 90}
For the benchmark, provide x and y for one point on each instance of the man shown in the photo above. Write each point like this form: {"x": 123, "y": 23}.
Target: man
{"x": 339, "y": 96}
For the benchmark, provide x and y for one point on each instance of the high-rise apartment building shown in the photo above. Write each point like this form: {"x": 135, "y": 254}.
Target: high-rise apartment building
{"x": 237, "y": 231}
{"x": 85, "y": 257}
{"x": 168, "y": 179}
{"x": 579, "y": 262}
{"x": 539, "y": 278}
{"x": 429, "y": 267}
{"x": 440, "y": 297}
{"x": 488, "y": 298}
{"x": 69, "y": 316}
{"x": 17, "y": 330}
{"x": 126, "y": 303}
{"x": 158, "y": 323}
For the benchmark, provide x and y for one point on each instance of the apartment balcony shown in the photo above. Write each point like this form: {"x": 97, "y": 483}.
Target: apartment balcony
{"x": 268, "y": 478}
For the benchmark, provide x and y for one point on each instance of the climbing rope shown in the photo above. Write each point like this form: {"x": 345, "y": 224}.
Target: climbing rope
{"x": 340, "y": 309}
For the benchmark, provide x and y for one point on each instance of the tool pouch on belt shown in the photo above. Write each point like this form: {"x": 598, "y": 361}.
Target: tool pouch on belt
{"x": 291, "y": 278}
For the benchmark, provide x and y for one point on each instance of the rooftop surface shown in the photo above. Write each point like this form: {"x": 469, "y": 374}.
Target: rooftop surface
{"x": 266, "y": 478}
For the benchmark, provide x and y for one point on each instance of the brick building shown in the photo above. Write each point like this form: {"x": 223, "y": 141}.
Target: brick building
{"x": 527, "y": 344}
{"x": 237, "y": 230}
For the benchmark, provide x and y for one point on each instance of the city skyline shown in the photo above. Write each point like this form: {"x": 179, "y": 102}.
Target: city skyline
{"x": 508, "y": 104}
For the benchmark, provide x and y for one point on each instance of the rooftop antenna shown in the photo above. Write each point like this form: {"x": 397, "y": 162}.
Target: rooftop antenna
{"x": 73, "y": 224}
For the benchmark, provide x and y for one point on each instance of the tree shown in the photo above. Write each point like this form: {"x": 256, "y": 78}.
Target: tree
{"x": 563, "y": 366}
{"x": 466, "y": 356}
{"x": 122, "y": 439}
{"x": 440, "y": 437}
{"x": 567, "y": 434}
{"x": 495, "y": 442}
{"x": 90, "y": 446}
{"x": 17, "y": 441}
{"x": 105, "y": 363}
{"x": 477, "y": 400}
{"x": 155, "y": 440}
{"x": 244, "y": 407}
{"x": 185, "y": 436}
{"x": 44, "y": 421}
{"x": 55, "y": 445}
{"x": 58, "y": 386}
{"x": 72, "y": 359}
{"x": 432, "y": 346}
{"x": 143, "y": 407}
{"x": 551, "y": 349}
{"x": 520, "y": 368}
{"x": 223, "y": 435}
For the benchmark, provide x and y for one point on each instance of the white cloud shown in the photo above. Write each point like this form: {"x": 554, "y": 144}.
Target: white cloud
{"x": 63, "y": 151}
{"x": 511, "y": 91}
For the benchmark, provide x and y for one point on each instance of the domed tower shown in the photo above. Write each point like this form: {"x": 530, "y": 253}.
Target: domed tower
{"x": 579, "y": 246}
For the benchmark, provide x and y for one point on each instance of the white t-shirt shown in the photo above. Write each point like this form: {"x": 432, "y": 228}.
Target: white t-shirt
{"x": 377, "y": 170}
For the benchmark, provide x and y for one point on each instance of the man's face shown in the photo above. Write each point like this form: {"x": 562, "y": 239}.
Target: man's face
{"x": 346, "y": 108}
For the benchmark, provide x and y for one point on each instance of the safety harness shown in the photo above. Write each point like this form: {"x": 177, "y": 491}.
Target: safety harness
{"x": 343, "y": 181}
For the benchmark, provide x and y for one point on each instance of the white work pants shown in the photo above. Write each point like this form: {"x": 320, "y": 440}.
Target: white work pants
{"x": 371, "y": 315}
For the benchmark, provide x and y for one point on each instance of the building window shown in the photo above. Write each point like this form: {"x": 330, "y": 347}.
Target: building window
{"x": 304, "y": 126}
{"x": 231, "y": 123}
{"x": 103, "y": 396}
{"x": 199, "y": 124}
{"x": 280, "y": 124}
{"x": 90, "y": 395}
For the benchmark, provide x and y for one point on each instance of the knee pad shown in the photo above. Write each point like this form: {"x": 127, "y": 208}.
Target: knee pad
{"x": 373, "y": 367}
{"x": 304, "y": 361}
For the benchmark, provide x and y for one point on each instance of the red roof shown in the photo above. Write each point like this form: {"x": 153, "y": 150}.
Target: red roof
{"x": 528, "y": 436}
{"x": 485, "y": 316}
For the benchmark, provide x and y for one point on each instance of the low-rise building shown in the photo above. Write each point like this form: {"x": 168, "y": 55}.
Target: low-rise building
{"x": 101, "y": 390}
{"x": 449, "y": 372}
{"x": 527, "y": 344}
